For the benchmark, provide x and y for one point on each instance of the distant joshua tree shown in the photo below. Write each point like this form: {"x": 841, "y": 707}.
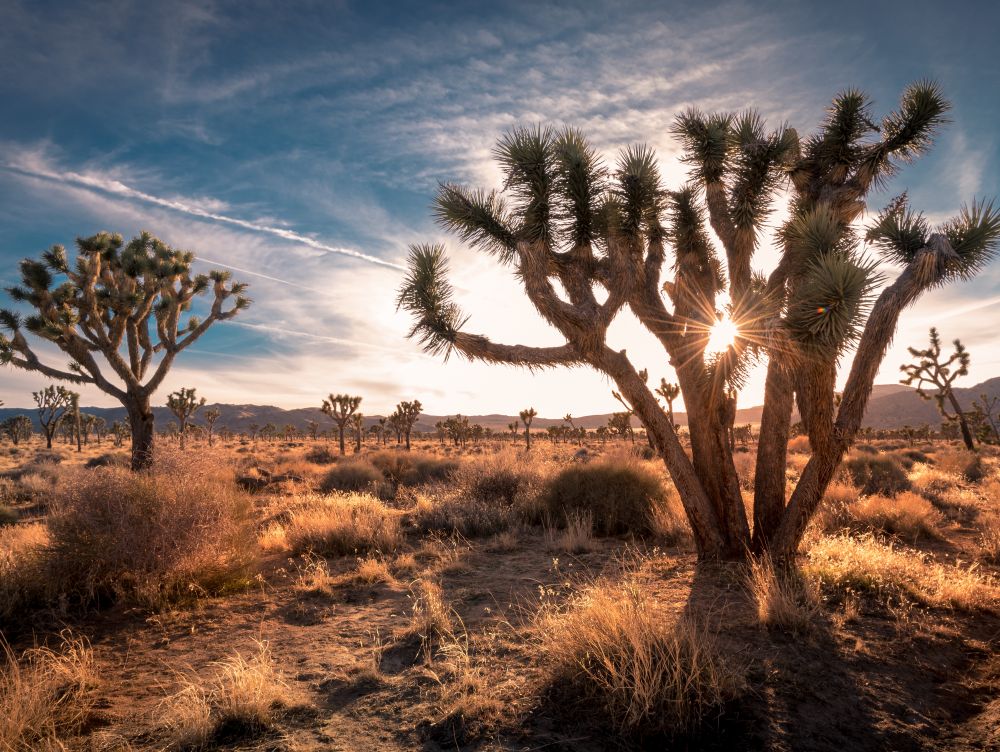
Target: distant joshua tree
{"x": 408, "y": 413}
{"x": 211, "y": 417}
{"x": 986, "y": 409}
{"x": 589, "y": 240}
{"x": 526, "y": 417}
{"x": 931, "y": 370}
{"x": 513, "y": 427}
{"x": 54, "y": 402}
{"x": 312, "y": 428}
{"x": 669, "y": 392}
{"x": 100, "y": 428}
{"x": 340, "y": 408}
{"x": 358, "y": 427}
{"x": 184, "y": 404}
{"x": 17, "y": 428}
{"x": 120, "y": 431}
{"x": 128, "y": 304}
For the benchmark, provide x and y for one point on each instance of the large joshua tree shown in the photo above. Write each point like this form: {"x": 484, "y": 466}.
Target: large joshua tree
{"x": 340, "y": 408}
{"x": 587, "y": 241}
{"x": 127, "y": 305}
{"x": 931, "y": 370}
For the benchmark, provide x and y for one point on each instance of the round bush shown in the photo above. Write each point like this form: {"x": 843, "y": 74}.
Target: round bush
{"x": 350, "y": 476}
{"x": 621, "y": 496}
{"x": 877, "y": 474}
{"x": 320, "y": 455}
{"x": 408, "y": 469}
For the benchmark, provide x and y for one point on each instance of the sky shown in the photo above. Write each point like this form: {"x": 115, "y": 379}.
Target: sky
{"x": 300, "y": 144}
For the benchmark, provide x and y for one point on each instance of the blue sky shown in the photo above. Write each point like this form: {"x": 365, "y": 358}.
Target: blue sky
{"x": 301, "y": 144}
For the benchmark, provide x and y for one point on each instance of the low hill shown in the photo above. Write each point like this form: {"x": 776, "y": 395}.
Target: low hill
{"x": 891, "y": 406}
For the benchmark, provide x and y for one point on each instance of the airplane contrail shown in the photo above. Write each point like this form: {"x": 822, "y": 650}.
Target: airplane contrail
{"x": 117, "y": 188}
{"x": 319, "y": 337}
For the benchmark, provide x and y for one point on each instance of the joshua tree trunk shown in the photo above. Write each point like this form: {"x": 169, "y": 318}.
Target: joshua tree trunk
{"x": 140, "y": 417}
{"x": 962, "y": 422}
{"x": 340, "y": 431}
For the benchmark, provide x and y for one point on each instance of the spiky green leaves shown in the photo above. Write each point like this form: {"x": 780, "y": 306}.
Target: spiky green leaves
{"x": 478, "y": 217}
{"x": 638, "y": 190}
{"x": 527, "y": 158}
{"x": 974, "y": 235}
{"x": 580, "y": 182}
{"x": 909, "y": 131}
{"x": 427, "y": 296}
{"x": 831, "y": 303}
{"x": 706, "y": 140}
{"x": 901, "y": 234}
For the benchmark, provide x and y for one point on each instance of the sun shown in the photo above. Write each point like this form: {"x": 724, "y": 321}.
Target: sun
{"x": 722, "y": 336}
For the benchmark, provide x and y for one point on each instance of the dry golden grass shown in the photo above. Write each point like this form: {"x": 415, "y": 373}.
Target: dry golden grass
{"x": 962, "y": 464}
{"x": 22, "y": 567}
{"x": 745, "y": 463}
{"x": 46, "y": 696}
{"x": 433, "y": 618}
{"x": 799, "y": 445}
{"x": 343, "y": 524}
{"x": 863, "y": 563}
{"x": 575, "y": 537}
{"x": 152, "y": 538}
{"x": 372, "y": 570}
{"x": 784, "y": 600}
{"x": 241, "y": 698}
{"x": 613, "y": 650}
{"x": 989, "y": 537}
{"x": 907, "y": 515}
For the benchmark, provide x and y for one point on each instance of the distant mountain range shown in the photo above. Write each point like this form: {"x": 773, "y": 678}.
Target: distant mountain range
{"x": 891, "y": 406}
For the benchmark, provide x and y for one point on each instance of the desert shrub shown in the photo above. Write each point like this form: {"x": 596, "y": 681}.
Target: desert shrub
{"x": 784, "y": 600}
{"x": 238, "y": 701}
{"x": 320, "y": 455}
{"x": 343, "y": 524}
{"x": 111, "y": 459}
{"x": 848, "y": 563}
{"x": 620, "y": 494}
{"x": 910, "y": 457}
{"x": 877, "y": 474}
{"x": 498, "y": 478}
{"x": 182, "y": 528}
{"x": 22, "y": 568}
{"x": 575, "y": 537}
{"x": 413, "y": 468}
{"x": 908, "y": 515}
{"x": 614, "y": 652}
{"x": 46, "y": 696}
{"x": 963, "y": 464}
{"x": 989, "y": 538}
{"x": 931, "y": 482}
{"x": 669, "y": 521}
{"x": 799, "y": 445}
{"x": 866, "y": 449}
{"x": 450, "y": 512}
{"x": 351, "y": 477}
{"x": 8, "y": 515}
{"x": 35, "y": 485}
{"x": 746, "y": 467}
{"x": 833, "y": 513}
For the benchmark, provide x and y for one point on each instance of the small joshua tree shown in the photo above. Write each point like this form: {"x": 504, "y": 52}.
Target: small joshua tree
{"x": 931, "y": 370}
{"x": 513, "y": 427}
{"x": 128, "y": 304}
{"x": 340, "y": 408}
{"x": 408, "y": 413}
{"x": 526, "y": 417}
{"x": 669, "y": 392}
{"x": 986, "y": 408}
{"x": 586, "y": 242}
{"x": 358, "y": 426}
{"x": 211, "y": 417}
{"x": 54, "y": 402}
{"x": 120, "y": 431}
{"x": 312, "y": 428}
{"x": 184, "y": 404}
{"x": 100, "y": 428}
{"x": 17, "y": 428}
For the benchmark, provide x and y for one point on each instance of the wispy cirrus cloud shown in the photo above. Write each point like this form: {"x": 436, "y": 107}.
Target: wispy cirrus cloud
{"x": 203, "y": 209}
